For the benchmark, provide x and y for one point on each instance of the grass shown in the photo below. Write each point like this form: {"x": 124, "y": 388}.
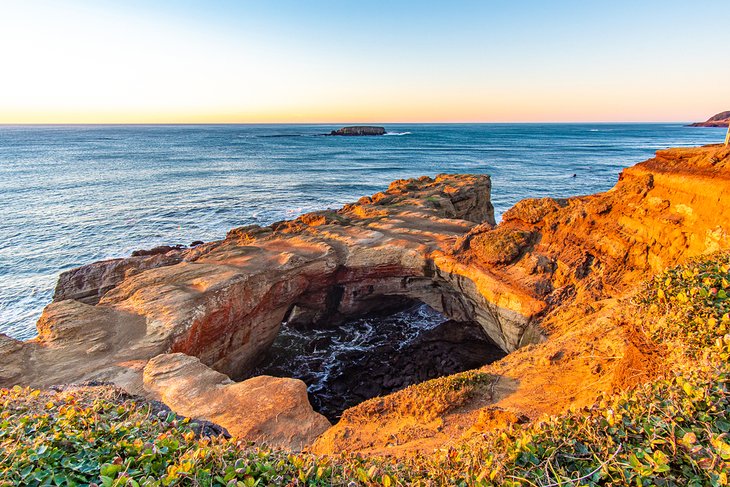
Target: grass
{"x": 428, "y": 400}
{"x": 500, "y": 246}
{"x": 672, "y": 431}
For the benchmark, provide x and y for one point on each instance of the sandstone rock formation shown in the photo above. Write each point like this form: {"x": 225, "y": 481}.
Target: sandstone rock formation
{"x": 359, "y": 130}
{"x": 90, "y": 282}
{"x": 722, "y": 119}
{"x": 223, "y": 302}
{"x": 264, "y": 409}
{"x": 556, "y": 268}
{"x": 574, "y": 260}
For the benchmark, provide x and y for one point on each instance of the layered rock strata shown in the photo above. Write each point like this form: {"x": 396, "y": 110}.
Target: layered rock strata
{"x": 223, "y": 302}
{"x": 580, "y": 259}
{"x": 552, "y": 267}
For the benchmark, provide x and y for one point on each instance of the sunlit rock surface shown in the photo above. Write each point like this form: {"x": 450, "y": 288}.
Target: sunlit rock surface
{"x": 570, "y": 264}
{"x": 553, "y": 269}
{"x": 264, "y": 409}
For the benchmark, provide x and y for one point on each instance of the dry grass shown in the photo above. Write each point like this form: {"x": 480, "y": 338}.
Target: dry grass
{"x": 425, "y": 401}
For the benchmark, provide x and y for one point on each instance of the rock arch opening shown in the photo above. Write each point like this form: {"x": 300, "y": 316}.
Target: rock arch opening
{"x": 404, "y": 343}
{"x": 308, "y": 327}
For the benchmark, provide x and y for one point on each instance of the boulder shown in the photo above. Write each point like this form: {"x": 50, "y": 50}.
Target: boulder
{"x": 263, "y": 409}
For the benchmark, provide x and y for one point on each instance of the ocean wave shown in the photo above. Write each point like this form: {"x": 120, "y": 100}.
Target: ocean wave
{"x": 281, "y": 135}
{"x": 397, "y": 133}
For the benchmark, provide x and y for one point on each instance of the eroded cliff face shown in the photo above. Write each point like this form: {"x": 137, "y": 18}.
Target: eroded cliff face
{"x": 552, "y": 268}
{"x": 223, "y": 302}
{"x": 575, "y": 263}
{"x": 659, "y": 213}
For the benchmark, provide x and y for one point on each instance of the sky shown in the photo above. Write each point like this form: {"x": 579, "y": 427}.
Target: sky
{"x": 270, "y": 61}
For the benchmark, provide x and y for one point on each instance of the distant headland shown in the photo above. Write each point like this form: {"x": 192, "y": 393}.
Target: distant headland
{"x": 722, "y": 119}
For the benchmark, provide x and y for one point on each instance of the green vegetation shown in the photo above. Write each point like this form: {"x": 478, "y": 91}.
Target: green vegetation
{"x": 428, "y": 400}
{"x": 673, "y": 431}
{"x": 74, "y": 438}
{"x": 500, "y": 246}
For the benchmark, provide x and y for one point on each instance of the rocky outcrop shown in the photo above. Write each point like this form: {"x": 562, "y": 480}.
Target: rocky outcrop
{"x": 569, "y": 263}
{"x": 359, "y": 130}
{"x": 263, "y": 409}
{"x": 544, "y": 271}
{"x": 722, "y": 119}
{"x": 90, "y": 282}
{"x": 224, "y": 302}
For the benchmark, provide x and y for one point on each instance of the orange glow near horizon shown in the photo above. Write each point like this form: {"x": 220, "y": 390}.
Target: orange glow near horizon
{"x": 83, "y": 64}
{"x": 393, "y": 108}
{"x": 403, "y": 111}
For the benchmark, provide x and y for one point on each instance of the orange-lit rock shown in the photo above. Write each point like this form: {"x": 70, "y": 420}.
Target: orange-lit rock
{"x": 545, "y": 284}
{"x": 571, "y": 264}
{"x": 264, "y": 409}
{"x": 223, "y": 302}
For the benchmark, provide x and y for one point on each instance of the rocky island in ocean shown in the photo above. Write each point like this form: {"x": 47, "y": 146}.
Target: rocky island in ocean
{"x": 359, "y": 130}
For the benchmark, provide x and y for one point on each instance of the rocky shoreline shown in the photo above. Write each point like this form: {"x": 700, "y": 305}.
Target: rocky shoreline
{"x": 543, "y": 286}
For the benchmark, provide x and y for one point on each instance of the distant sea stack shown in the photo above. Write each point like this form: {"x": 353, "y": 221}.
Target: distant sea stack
{"x": 722, "y": 119}
{"x": 359, "y": 130}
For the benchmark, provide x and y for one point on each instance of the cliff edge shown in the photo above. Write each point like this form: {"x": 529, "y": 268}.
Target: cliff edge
{"x": 546, "y": 285}
{"x": 579, "y": 260}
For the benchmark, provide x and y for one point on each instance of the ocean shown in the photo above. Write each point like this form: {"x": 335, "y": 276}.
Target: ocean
{"x": 71, "y": 195}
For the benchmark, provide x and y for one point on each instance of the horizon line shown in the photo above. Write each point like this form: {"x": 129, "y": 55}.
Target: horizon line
{"x": 356, "y": 123}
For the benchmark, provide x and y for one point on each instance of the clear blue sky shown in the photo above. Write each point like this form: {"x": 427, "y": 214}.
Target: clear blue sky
{"x": 348, "y": 61}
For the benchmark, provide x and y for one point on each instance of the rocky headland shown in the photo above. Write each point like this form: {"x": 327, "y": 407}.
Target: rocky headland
{"x": 722, "y": 119}
{"x": 545, "y": 285}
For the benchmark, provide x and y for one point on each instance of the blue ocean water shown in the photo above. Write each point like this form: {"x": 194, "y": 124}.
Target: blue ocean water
{"x": 71, "y": 195}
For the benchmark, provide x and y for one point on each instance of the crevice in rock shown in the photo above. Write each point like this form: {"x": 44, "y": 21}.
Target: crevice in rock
{"x": 375, "y": 355}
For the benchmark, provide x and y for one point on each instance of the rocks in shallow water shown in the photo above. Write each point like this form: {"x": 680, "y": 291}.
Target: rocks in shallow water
{"x": 161, "y": 249}
{"x": 359, "y": 130}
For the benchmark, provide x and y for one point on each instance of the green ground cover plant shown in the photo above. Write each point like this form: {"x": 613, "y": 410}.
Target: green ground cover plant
{"x": 672, "y": 431}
